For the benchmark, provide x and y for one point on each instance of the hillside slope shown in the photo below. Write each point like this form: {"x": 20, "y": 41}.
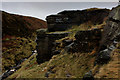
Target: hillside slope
{"x": 100, "y": 62}
{"x": 18, "y": 38}
{"x": 22, "y": 26}
{"x": 61, "y": 65}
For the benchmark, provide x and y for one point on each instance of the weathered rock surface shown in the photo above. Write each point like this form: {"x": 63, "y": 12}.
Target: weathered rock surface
{"x": 103, "y": 56}
{"x": 109, "y": 70}
{"x": 46, "y": 45}
{"x": 87, "y": 40}
{"x": 110, "y": 52}
{"x": 111, "y": 31}
{"x": 65, "y": 20}
{"x": 110, "y": 36}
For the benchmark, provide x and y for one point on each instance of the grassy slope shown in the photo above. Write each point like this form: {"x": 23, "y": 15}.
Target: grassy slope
{"x": 74, "y": 64}
{"x": 18, "y": 35}
{"x": 21, "y": 26}
{"x": 60, "y": 65}
{"x": 16, "y": 49}
{"x": 110, "y": 70}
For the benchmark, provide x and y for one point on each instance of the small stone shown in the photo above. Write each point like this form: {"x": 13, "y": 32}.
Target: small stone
{"x": 88, "y": 76}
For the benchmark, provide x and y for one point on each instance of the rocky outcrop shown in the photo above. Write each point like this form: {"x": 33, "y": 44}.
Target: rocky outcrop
{"x": 75, "y": 65}
{"x": 104, "y": 56}
{"x": 65, "y": 19}
{"x": 46, "y": 45}
{"x": 57, "y": 23}
{"x": 111, "y": 32}
{"x": 109, "y": 51}
{"x": 110, "y": 36}
{"x": 87, "y": 40}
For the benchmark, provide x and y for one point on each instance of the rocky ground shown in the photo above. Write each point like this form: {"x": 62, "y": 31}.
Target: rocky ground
{"x": 60, "y": 55}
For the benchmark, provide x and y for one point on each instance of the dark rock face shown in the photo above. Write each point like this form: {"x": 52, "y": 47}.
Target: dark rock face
{"x": 110, "y": 36}
{"x": 66, "y": 19}
{"x": 46, "y": 44}
{"x": 57, "y": 23}
{"x": 105, "y": 55}
{"x": 87, "y": 40}
{"x": 111, "y": 31}
{"x": 88, "y": 35}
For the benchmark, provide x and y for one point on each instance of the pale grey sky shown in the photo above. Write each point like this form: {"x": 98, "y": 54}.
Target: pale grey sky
{"x": 60, "y": 0}
{"x": 42, "y": 9}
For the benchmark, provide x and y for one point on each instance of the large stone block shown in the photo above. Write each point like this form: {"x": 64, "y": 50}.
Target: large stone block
{"x": 87, "y": 40}
{"x": 65, "y": 19}
{"x": 46, "y": 45}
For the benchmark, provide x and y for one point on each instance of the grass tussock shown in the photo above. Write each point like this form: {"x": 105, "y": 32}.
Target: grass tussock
{"x": 61, "y": 65}
{"x": 14, "y": 50}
